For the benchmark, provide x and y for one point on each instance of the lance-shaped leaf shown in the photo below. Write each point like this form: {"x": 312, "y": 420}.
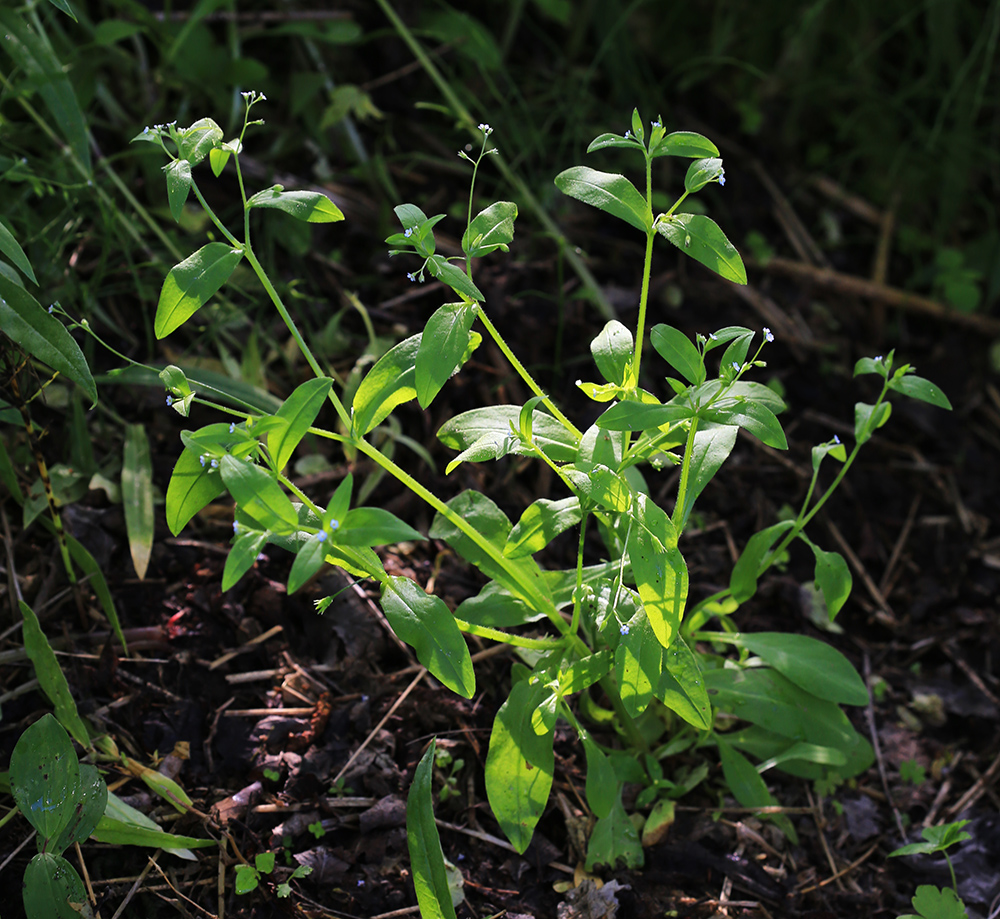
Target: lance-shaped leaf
{"x": 679, "y": 352}
{"x": 25, "y": 321}
{"x": 296, "y": 415}
{"x": 430, "y": 879}
{"x": 388, "y": 384}
{"x": 869, "y": 418}
{"x": 123, "y": 833}
{"x": 833, "y": 578}
{"x": 638, "y": 662}
{"x": 88, "y": 811}
{"x": 190, "y": 284}
{"x": 540, "y": 523}
{"x": 748, "y": 787}
{"x": 258, "y": 495}
{"x": 685, "y": 143}
{"x": 308, "y": 561}
{"x": 454, "y": 277}
{"x": 918, "y": 388}
{"x": 445, "y": 345}
{"x": 310, "y": 206}
{"x": 178, "y": 185}
{"x": 195, "y": 142}
{"x": 192, "y": 486}
{"x": 242, "y": 555}
{"x": 682, "y": 688}
{"x": 658, "y": 567}
{"x": 743, "y": 580}
{"x": 426, "y": 624}
{"x": 602, "y": 785}
{"x": 701, "y": 238}
{"x": 12, "y": 249}
{"x": 609, "y": 192}
{"x": 712, "y": 446}
{"x": 462, "y": 431}
{"x": 614, "y": 839}
{"x": 373, "y": 526}
{"x": 519, "y": 765}
{"x": 492, "y": 228}
{"x": 758, "y": 419}
{"x": 137, "y": 496}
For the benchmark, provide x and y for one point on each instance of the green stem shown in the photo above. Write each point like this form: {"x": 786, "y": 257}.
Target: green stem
{"x": 520, "y": 641}
{"x": 643, "y": 297}
{"x": 527, "y": 377}
{"x": 685, "y": 473}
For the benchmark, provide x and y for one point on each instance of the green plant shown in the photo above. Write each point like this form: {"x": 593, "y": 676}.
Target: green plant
{"x": 248, "y": 877}
{"x": 442, "y": 760}
{"x": 912, "y": 772}
{"x": 932, "y": 902}
{"x": 622, "y": 625}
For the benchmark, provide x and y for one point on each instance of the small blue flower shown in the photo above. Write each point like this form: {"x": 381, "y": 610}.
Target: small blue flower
{"x": 334, "y": 524}
{"x": 628, "y": 134}
{"x": 170, "y": 400}
{"x": 408, "y": 232}
{"x": 145, "y": 130}
{"x": 236, "y": 527}
{"x": 623, "y": 629}
{"x": 202, "y": 459}
{"x": 878, "y": 360}
{"x": 361, "y": 882}
{"x": 736, "y": 367}
{"x": 215, "y": 464}
{"x": 836, "y": 439}
{"x": 486, "y": 129}
{"x": 722, "y": 178}
{"x": 656, "y": 124}
{"x": 768, "y": 337}
{"x": 52, "y": 309}
{"x": 321, "y": 536}
{"x": 232, "y": 427}
{"x": 713, "y": 337}
{"x": 410, "y": 276}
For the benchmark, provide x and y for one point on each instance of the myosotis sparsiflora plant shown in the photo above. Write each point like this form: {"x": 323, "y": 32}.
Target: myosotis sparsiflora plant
{"x": 612, "y": 645}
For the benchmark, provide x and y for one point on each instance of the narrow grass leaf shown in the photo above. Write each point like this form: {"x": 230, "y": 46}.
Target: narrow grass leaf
{"x": 88, "y": 565}
{"x": 310, "y": 206}
{"x": 702, "y": 239}
{"x": 137, "y": 496}
{"x": 11, "y": 248}
{"x": 609, "y": 192}
{"x": 426, "y": 624}
{"x": 519, "y": 766}
{"x": 426, "y": 858}
{"x": 190, "y": 284}
{"x": 25, "y": 321}
{"x": 51, "y": 678}
{"x": 120, "y": 833}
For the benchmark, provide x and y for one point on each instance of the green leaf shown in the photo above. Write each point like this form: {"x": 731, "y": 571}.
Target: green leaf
{"x": 682, "y": 688}
{"x": 614, "y": 839}
{"x": 821, "y": 451}
{"x": 90, "y": 806}
{"x": 937, "y": 903}
{"x": 120, "y": 833}
{"x": 388, "y": 384}
{"x": 641, "y": 416}
{"x": 462, "y": 431}
{"x": 35, "y": 56}
{"x": 178, "y": 185}
{"x": 871, "y": 365}
{"x": 602, "y": 786}
{"x": 426, "y": 624}
{"x": 758, "y": 419}
{"x": 45, "y": 777}
{"x": 918, "y": 388}
{"x": 612, "y": 140}
{"x": 190, "y": 284}
{"x": 296, "y": 415}
{"x": 701, "y": 172}
{"x": 833, "y": 577}
{"x": 612, "y": 350}
{"x": 258, "y": 495}
{"x": 426, "y": 858}
{"x": 64, "y": 7}
{"x": 52, "y": 888}
{"x": 746, "y": 571}
{"x": 191, "y": 487}
{"x": 374, "y": 526}
{"x": 519, "y": 765}
{"x": 638, "y": 129}
{"x": 748, "y": 787}
{"x": 638, "y": 663}
{"x": 26, "y": 322}
{"x": 481, "y": 513}
{"x": 10, "y": 248}
{"x": 137, "y": 496}
{"x": 195, "y": 142}
{"x": 701, "y": 238}
{"x": 712, "y": 446}
{"x": 51, "y": 678}
{"x": 869, "y": 418}
{"x": 679, "y": 352}
{"x": 309, "y": 206}
{"x": 92, "y": 571}
{"x": 444, "y": 347}
{"x": 454, "y": 277}
{"x": 936, "y": 839}
{"x": 685, "y": 143}
{"x": 658, "y": 567}
{"x": 497, "y": 608}
{"x": 241, "y": 557}
{"x": 609, "y": 192}
{"x": 492, "y": 228}
{"x": 813, "y": 665}
{"x": 540, "y": 523}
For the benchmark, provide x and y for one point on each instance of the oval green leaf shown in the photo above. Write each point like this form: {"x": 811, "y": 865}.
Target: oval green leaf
{"x": 190, "y": 284}
{"x": 388, "y": 384}
{"x": 258, "y": 495}
{"x": 702, "y": 239}
{"x": 297, "y": 413}
{"x": 609, "y": 192}
{"x": 310, "y": 206}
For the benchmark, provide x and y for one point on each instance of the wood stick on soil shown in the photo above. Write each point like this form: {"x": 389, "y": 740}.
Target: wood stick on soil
{"x": 869, "y": 290}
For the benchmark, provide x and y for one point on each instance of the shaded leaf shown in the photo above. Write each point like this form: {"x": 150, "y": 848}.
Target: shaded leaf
{"x": 426, "y": 858}
{"x": 137, "y": 496}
